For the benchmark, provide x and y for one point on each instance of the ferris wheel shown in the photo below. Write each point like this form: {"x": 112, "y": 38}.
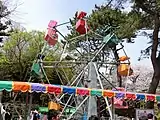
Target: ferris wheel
{"x": 91, "y": 56}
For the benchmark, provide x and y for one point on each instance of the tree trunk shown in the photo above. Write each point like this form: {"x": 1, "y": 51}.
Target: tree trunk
{"x": 154, "y": 84}
{"x": 155, "y": 61}
{"x": 152, "y": 89}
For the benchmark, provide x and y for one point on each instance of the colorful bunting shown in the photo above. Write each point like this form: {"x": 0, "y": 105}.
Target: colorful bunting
{"x": 6, "y": 85}
{"x": 35, "y": 87}
{"x": 21, "y": 86}
{"x": 131, "y": 96}
{"x": 140, "y": 97}
{"x": 69, "y": 90}
{"x": 54, "y": 89}
{"x": 109, "y": 94}
{"x": 95, "y": 92}
{"x": 57, "y": 89}
{"x": 120, "y": 95}
{"x": 83, "y": 91}
{"x": 158, "y": 98}
{"x": 150, "y": 97}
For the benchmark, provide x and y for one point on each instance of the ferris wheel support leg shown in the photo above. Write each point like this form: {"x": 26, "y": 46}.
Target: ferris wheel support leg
{"x": 92, "y": 105}
{"x": 100, "y": 82}
{"x": 77, "y": 108}
{"x": 30, "y": 103}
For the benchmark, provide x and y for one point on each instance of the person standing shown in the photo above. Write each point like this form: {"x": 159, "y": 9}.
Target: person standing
{"x": 45, "y": 117}
{"x": 93, "y": 117}
{"x": 36, "y": 115}
{"x": 150, "y": 116}
{"x": 8, "y": 115}
{"x": 2, "y": 112}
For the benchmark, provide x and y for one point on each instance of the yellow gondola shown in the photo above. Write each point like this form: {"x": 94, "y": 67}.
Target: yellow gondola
{"x": 54, "y": 106}
{"x": 125, "y": 70}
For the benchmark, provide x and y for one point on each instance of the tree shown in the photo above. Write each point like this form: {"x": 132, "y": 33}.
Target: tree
{"x": 140, "y": 80}
{"x": 19, "y": 52}
{"x": 105, "y": 16}
{"x": 17, "y": 56}
{"x": 149, "y": 11}
{"x": 5, "y": 23}
{"x": 144, "y": 14}
{"x": 6, "y": 9}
